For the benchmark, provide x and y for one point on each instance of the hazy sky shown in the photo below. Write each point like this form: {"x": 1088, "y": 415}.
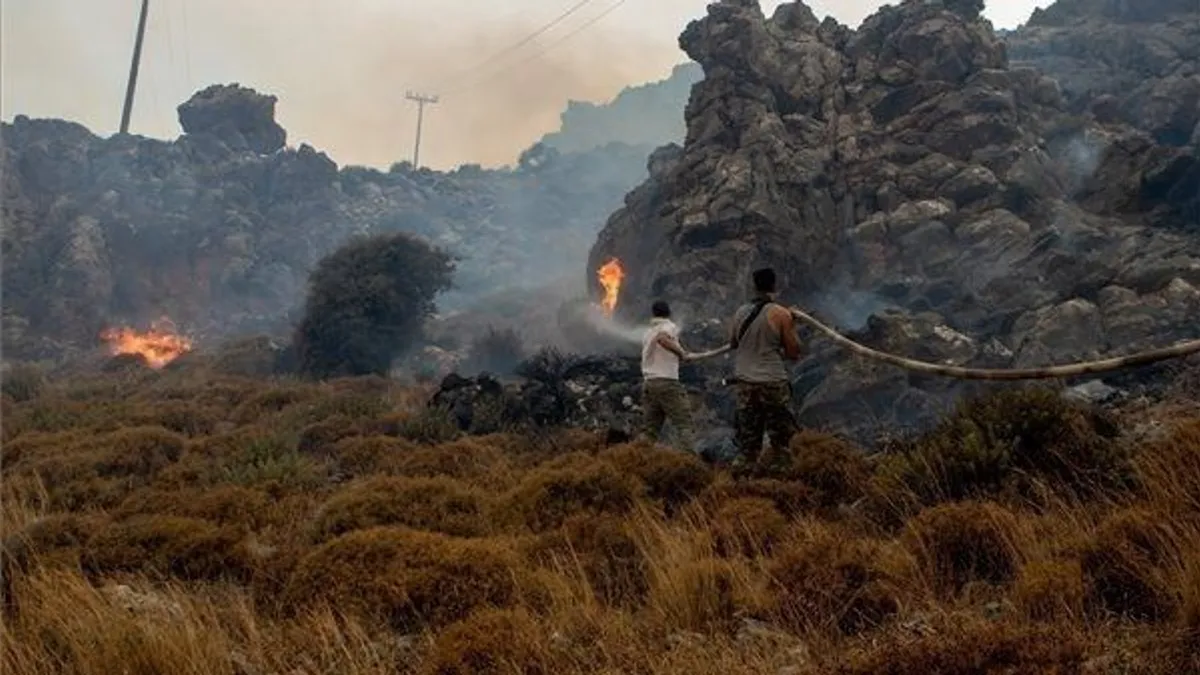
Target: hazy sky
{"x": 340, "y": 68}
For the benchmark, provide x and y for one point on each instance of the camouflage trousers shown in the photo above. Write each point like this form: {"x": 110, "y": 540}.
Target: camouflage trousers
{"x": 763, "y": 407}
{"x": 667, "y": 401}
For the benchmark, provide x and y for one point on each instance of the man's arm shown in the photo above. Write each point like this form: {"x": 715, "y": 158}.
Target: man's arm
{"x": 783, "y": 321}
{"x": 733, "y": 328}
{"x": 670, "y": 344}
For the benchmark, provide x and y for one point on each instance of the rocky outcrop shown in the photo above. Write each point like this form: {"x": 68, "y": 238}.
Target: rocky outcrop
{"x": 219, "y": 229}
{"x": 242, "y": 119}
{"x": 909, "y": 163}
{"x": 1137, "y": 62}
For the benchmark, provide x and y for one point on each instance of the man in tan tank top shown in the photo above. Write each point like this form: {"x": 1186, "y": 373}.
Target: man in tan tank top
{"x": 763, "y": 337}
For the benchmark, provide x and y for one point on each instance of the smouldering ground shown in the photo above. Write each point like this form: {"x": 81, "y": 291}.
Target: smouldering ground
{"x": 183, "y": 522}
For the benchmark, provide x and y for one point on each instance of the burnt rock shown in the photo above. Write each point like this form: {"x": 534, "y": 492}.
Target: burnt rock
{"x": 1134, "y": 61}
{"x": 240, "y": 117}
{"x": 908, "y": 162}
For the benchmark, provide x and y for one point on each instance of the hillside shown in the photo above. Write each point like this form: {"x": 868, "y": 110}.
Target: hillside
{"x": 1138, "y": 62}
{"x": 915, "y": 188}
{"x": 193, "y": 520}
{"x": 650, "y": 114}
{"x": 219, "y": 228}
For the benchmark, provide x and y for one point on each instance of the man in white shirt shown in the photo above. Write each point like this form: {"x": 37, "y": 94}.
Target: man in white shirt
{"x": 663, "y": 395}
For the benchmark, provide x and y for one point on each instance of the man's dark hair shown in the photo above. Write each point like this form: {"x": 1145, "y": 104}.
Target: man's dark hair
{"x": 764, "y": 280}
{"x": 660, "y": 309}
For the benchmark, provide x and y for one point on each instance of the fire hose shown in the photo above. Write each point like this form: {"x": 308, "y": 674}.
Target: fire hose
{"x": 1178, "y": 350}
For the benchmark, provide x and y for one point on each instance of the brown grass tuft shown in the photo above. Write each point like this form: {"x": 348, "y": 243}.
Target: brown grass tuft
{"x": 163, "y": 547}
{"x": 223, "y": 504}
{"x": 602, "y": 551}
{"x": 410, "y": 580}
{"x": 970, "y": 646}
{"x": 672, "y": 477}
{"x": 960, "y": 543}
{"x": 1050, "y": 591}
{"x": 836, "y": 471}
{"x": 826, "y": 580}
{"x": 572, "y": 485}
{"x": 1124, "y": 566}
{"x": 431, "y": 504}
{"x": 749, "y": 526}
{"x": 490, "y": 642}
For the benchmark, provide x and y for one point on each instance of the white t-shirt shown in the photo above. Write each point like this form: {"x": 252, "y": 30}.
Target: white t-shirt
{"x": 658, "y": 362}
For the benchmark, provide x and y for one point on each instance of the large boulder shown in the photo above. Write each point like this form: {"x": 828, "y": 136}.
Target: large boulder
{"x": 240, "y": 117}
{"x": 909, "y": 164}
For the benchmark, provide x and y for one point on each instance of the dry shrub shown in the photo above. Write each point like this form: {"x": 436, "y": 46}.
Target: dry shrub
{"x": 361, "y": 406}
{"x": 270, "y": 402}
{"x": 1050, "y": 590}
{"x": 467, "y": 459}
{"x": 363, "y": 455}
{"x": 1016, "y": 439}
{"x": 960, "y": 543}
{"x": 139, "y": 451}
{"x": 222, "y": 504}
{"x": 51, "y": 541}
{"x": 789, "y": 497}
{"x": 601, "y": 549}
{"x": 1124, "y": 566}
{"x": 408, "y": 579}
{"x": 95, "y": 471}
{"x": 748, "y": 526}
{"x": 29, "y": 446}
{"x": 180, "y": 417}
{"x": 249, "y": 457}
{"x": 1170, "y": 468}
{"x": 575, "y": 484}
{"x": 490, "y": 642}
{"x": 827, "y": 579}
{"x": 705, "y": 594}
{"x": 970, "y": 646}
{"x": 22, "y": 382}
{"x": 369, "y": 385}
{"x": 430, "y": 425}
{"x": 836, "y": 471}
{"x": 673, "y": 477}
{"x": 163, "y": 547}
{"x": 319, "y": 438}
{"x": 431, "y": 504}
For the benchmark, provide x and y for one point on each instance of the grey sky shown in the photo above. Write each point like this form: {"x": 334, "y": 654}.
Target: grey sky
{"x": 340, "y": 68}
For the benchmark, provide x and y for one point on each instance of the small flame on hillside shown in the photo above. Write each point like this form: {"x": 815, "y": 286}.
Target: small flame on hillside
{"x": 610, "y": 274}
{"x": 159, "y": 346}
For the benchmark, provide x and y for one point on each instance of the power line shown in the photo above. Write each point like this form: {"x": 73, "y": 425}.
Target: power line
{"x": 522, "y": 42}
{"x": 538, "y": 54}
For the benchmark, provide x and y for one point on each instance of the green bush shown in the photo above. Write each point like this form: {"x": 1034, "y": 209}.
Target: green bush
{"x": 367, "y": 302}
{"x": 1015, "y": 440}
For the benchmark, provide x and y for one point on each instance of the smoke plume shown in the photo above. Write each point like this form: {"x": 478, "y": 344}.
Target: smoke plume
{"x": 341, "y": 70}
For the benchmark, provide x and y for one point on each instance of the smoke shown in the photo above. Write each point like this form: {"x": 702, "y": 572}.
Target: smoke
{"x": 1079, "y": 158}
{"x": 341, "y": 70}
{"x": 848, "y": 309}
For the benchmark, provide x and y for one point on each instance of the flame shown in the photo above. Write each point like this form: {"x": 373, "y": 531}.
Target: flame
{"x": 610, "y": 275}
{"x": 159, "y": 346}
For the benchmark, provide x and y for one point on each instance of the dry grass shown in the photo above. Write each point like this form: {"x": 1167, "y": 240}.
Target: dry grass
{"x": 187, "y": 522}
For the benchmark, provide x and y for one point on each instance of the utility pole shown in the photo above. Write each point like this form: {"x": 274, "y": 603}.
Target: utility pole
{"x": 421, "y": 100}
{"x": 133, "y": 68}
